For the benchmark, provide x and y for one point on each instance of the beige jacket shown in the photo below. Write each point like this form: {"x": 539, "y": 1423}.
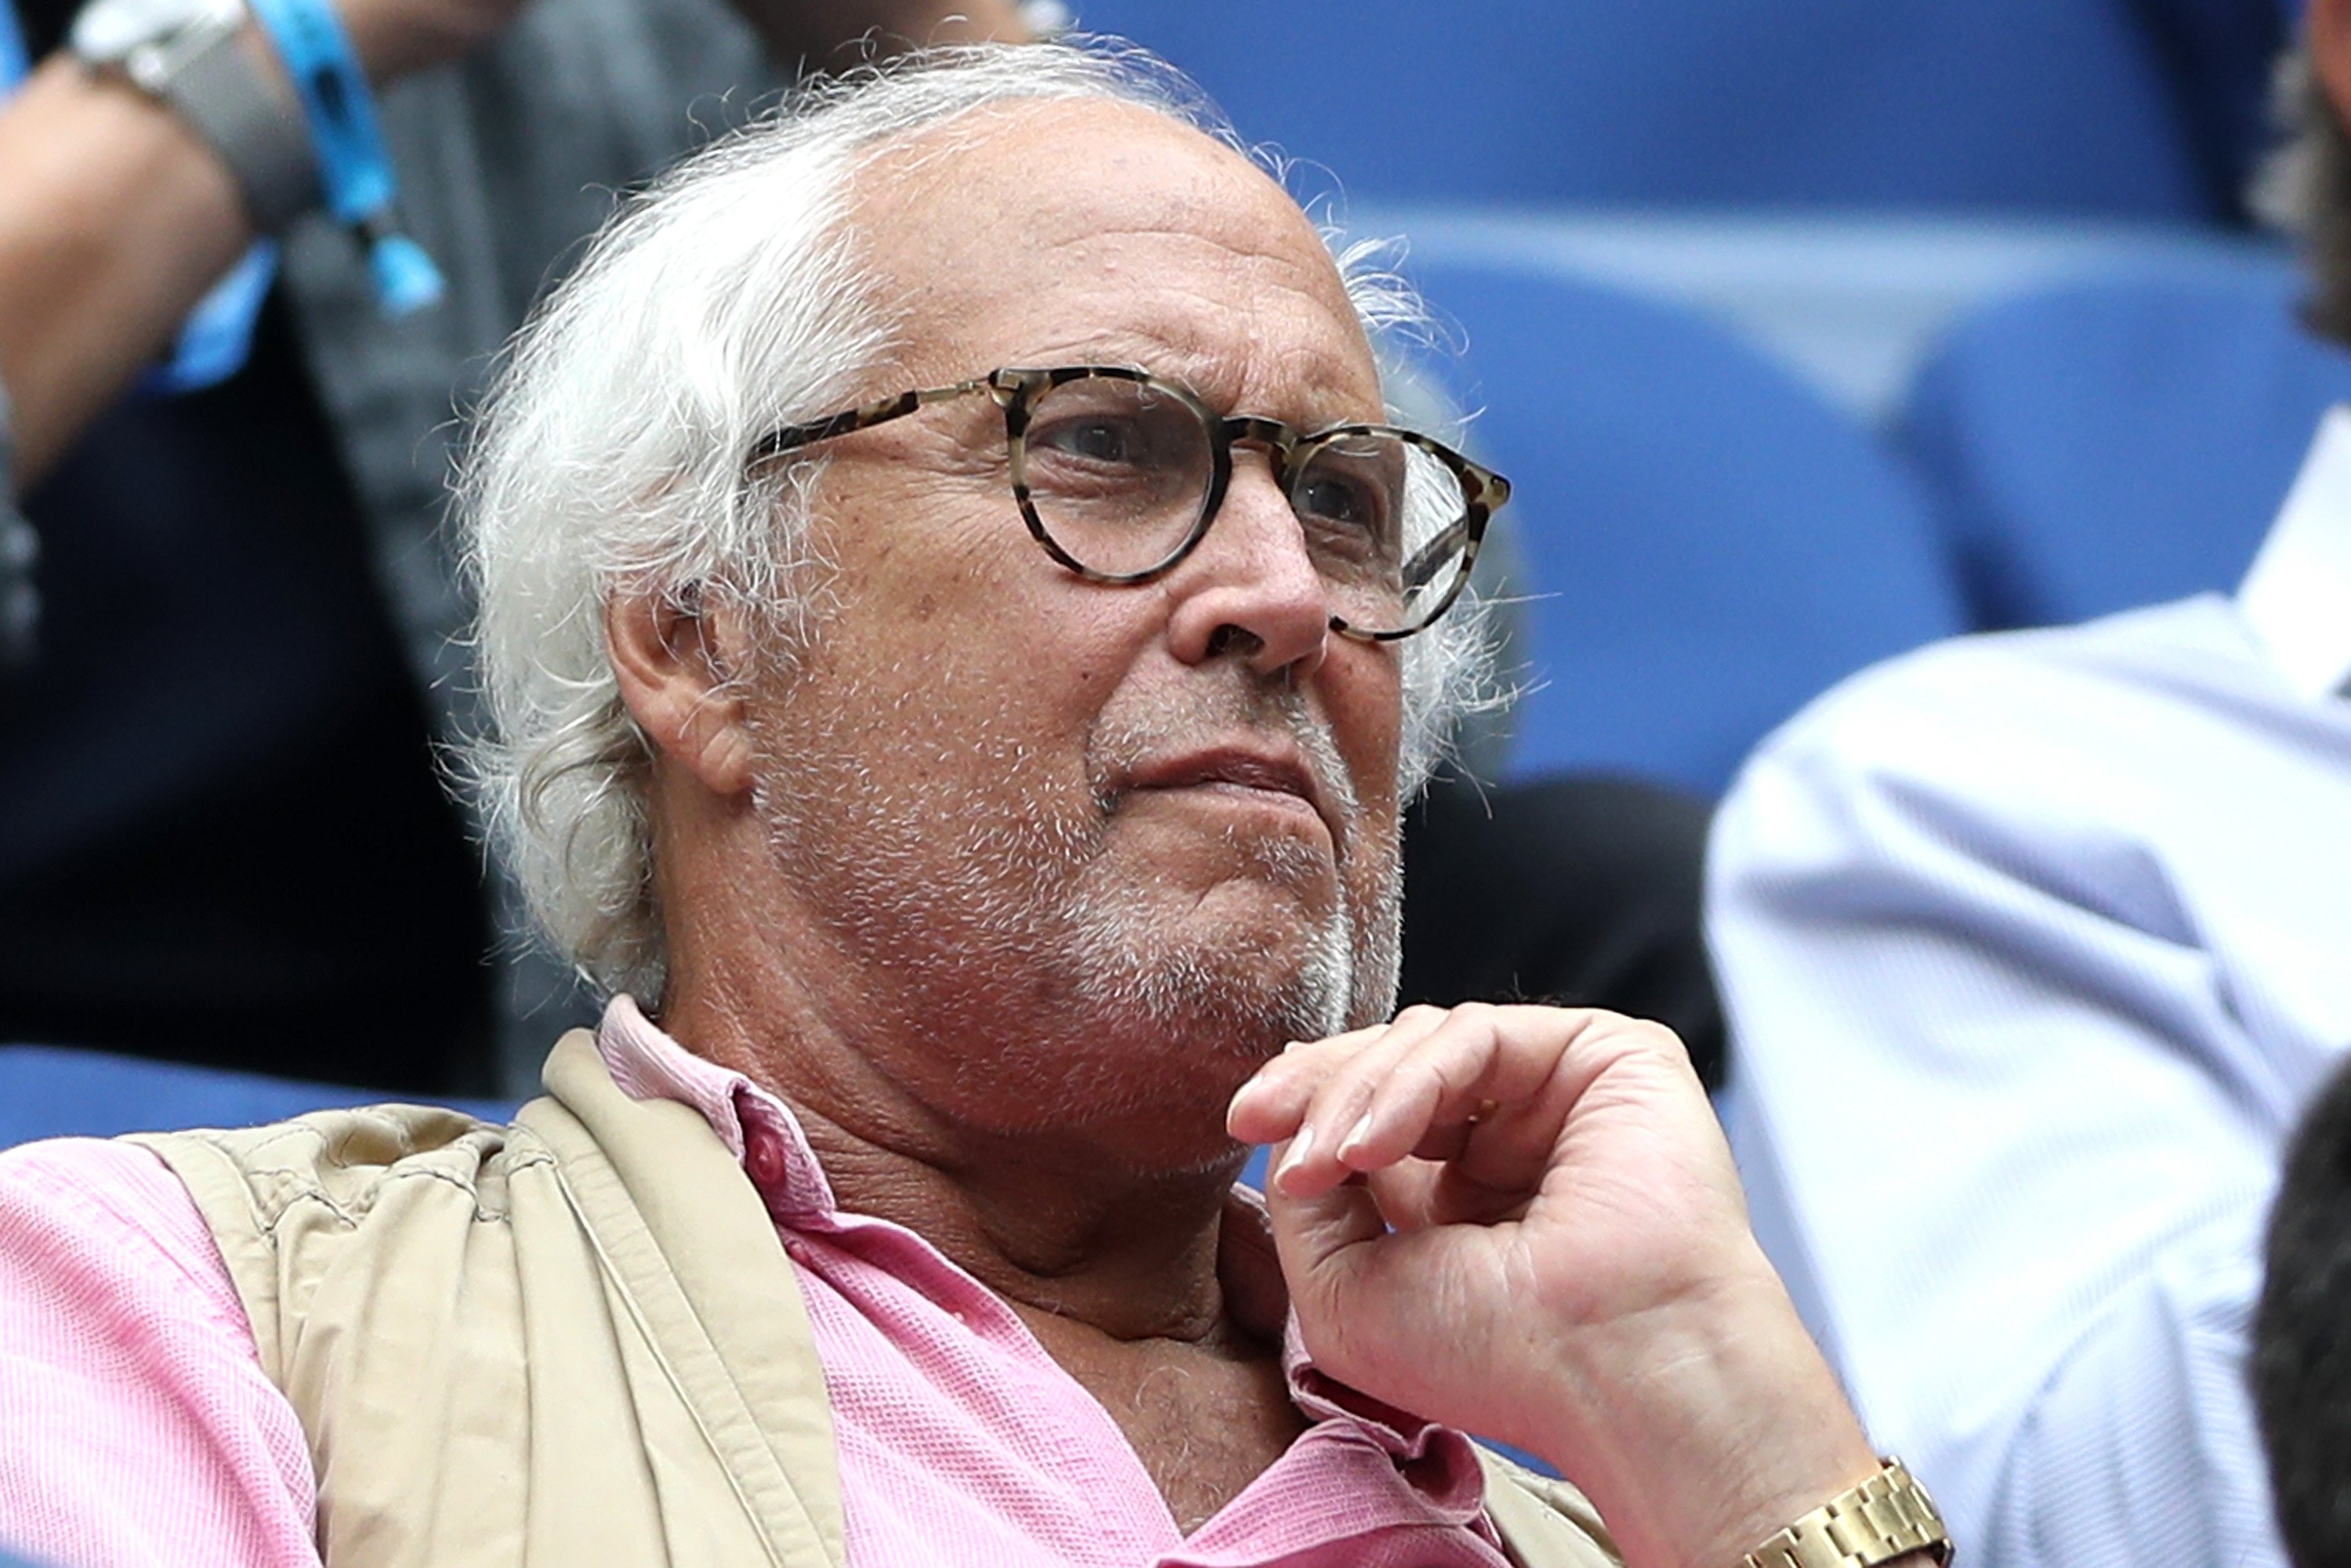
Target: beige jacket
{"x": 574, "y": 1339}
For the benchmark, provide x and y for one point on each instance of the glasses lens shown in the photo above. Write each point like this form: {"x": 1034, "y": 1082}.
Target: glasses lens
{"x": 1386, "y": 521}
{"x": 1117, "y": 471}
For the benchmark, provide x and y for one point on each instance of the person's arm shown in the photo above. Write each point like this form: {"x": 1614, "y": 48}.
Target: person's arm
{"x": 139, "y": 1426}
{"x": 115, "y": 218}
{"x": 1523, "y": 1221}
{"x": 1998, "y": 1102}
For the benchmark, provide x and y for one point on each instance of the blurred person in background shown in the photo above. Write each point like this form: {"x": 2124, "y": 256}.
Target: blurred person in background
{"x": 222, "y": 837}
{"x": 2033, "y": 948}
{"x": 2301, "y": 1336}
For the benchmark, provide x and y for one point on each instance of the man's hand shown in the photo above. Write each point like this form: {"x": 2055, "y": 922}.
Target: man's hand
{"x": 1524, "y": 1221}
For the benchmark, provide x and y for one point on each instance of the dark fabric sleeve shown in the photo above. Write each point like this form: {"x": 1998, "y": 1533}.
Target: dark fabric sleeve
{"x": 1582, "y": 891}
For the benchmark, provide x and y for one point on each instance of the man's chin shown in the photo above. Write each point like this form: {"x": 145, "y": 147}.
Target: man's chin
{"x": 1146, "y": 1039}
{"x": 1147, "y": 1096}
{"x": 1227, "y": 984}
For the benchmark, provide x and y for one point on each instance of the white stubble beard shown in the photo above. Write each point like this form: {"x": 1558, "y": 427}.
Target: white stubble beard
{"x": 1349, "y": 972}
{"x": 950, "y": 925}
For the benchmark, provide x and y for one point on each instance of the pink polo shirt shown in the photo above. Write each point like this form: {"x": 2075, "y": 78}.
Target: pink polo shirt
{"x": 136, "y": 1426}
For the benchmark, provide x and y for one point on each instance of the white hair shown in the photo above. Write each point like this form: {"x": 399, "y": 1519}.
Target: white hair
{"x": 724, "y": 301}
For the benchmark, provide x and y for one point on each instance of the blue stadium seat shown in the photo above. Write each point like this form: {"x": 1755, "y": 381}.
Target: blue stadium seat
{"x": 48, "y": 1092}
{"x": 2081, "y": 107}
{"x": 2104, "y": 443}
{"x": 1713, "y": 544}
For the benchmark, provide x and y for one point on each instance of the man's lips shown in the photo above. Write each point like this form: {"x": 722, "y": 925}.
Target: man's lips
{"x": 1274, "y": 772}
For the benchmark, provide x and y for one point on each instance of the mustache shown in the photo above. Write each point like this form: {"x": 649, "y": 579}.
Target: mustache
{"x": 1212, "y": 716}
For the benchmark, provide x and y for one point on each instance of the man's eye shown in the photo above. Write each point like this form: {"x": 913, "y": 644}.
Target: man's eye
{"x": 1097, "y": 440}
{"x": 1329, "y": 500}
{"x": 1343, "y": 503}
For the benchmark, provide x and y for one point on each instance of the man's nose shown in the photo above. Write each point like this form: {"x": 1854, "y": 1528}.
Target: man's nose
{"x": 1250, "y": 586}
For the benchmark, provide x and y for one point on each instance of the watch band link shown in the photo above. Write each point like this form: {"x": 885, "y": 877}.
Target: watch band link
{"x": 227, "y": 97}
{"x": 1882, "y": 1518}
{"x": 204, "y": 61}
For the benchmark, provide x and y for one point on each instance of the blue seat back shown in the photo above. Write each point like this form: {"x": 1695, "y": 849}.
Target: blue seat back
{"x": 2120, "y": 441}
{"x": 2045, "y": 106}
{"x": 1713, "y": 544}
{"x": 48, "y": 1092}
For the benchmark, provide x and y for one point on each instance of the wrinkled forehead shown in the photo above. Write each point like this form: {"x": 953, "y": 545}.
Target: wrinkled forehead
{"x": 1037, "y": 232}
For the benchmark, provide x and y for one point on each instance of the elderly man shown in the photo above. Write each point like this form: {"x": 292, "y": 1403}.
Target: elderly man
{"x": 951, "y": 604}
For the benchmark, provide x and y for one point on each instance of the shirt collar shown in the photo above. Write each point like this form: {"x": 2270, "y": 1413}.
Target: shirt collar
{"x": 2297, "y": 595}
{"x": 757, "y": 1128}
{"x": 760, "y": 1131}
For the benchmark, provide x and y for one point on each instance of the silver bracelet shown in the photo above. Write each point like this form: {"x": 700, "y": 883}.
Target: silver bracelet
{"x": 230, "y": 98}
{"x": 199, "y": 60}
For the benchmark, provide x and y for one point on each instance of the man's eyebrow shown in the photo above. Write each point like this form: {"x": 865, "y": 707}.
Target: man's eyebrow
{"x": 1304, "y": 403}
{"x": 1317, "y": 392}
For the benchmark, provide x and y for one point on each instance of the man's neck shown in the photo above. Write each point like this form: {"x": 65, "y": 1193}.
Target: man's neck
{"x": 1058, "y": 1220}
{"x": 1058, "y": 1229}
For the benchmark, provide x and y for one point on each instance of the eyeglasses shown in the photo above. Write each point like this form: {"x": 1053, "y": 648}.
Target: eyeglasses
{"x": 1118, "y": 473}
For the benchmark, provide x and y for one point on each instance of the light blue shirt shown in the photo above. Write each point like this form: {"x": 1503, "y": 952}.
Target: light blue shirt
{"x": 2033, "y": 948}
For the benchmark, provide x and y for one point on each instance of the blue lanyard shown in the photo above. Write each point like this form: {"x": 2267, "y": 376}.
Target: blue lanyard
{"x": 354, "y": 164}
{"x": 15, "y": 66}
{"x": 217, "y": 337}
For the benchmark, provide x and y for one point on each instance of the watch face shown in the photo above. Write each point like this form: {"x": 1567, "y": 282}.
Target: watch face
{"x": 106, "y": 30}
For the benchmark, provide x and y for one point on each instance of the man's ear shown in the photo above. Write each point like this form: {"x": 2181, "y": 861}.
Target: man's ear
{"x": 2328, "y": 26}
{"x": 680, "y": 656}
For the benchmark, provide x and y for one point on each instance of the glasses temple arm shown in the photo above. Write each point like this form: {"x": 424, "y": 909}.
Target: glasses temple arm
{"x": 792, "y": 437}
{"x": 1424, "y": 561}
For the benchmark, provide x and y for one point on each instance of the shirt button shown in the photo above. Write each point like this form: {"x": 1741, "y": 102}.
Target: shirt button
{"x": 763, "y": 1157}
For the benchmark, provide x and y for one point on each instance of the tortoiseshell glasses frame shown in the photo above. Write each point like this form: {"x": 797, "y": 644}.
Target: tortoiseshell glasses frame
{"x": 1353, "y": 487}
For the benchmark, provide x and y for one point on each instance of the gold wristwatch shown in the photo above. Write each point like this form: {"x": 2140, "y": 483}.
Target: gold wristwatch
{"x": 1880, "y": 1520}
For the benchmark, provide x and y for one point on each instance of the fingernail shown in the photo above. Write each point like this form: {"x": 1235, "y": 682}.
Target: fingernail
{"x": 1299, "y": 1146}
{"x": 1289, "y": 1046}
{"x": 1357, "y": 1136}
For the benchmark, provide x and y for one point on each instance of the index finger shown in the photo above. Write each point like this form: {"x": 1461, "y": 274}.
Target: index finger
{"x": 1270, "y": 1106}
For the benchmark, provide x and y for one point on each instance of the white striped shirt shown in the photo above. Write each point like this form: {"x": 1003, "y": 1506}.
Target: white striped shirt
{"x": 2033, "y": 946}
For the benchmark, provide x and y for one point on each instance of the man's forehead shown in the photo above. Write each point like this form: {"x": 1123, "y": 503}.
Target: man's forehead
{"x": 1069, "y": 231}
{"x": 1055, "y": 160}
